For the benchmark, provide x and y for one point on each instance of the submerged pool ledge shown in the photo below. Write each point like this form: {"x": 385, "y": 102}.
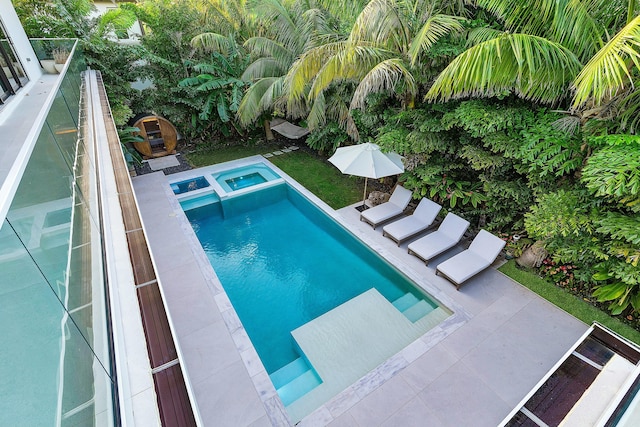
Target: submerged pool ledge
{"x": 347, "y": 342}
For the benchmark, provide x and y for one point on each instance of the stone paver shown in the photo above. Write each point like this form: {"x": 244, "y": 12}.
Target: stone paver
{"x": 470, "y": 372}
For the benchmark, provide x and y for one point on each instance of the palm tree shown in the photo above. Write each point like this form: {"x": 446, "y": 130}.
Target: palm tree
{"x": 541, "y": 55}
{"x": 382, "y": 53}
{"x": 291, "y": 28}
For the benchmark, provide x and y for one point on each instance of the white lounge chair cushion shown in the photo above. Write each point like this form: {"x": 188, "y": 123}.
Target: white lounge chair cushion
{"x": 446, "y": 236}
{"x": 394, "y": 207}
{"x": 431, "y": 245}
{"x": 453, "y": 226}
{"x": 482, "y": 252}
{"x": 422, "y": 218}
{"x": 487, "y": 246}
{"x": 463, "y": 266}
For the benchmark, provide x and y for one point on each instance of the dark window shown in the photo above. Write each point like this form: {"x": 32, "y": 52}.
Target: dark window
{"x": 12, "y": 75}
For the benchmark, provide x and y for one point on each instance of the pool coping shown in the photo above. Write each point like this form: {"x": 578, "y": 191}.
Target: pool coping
{"x": 473, "y": 376}
{"x": 274, "y": 408}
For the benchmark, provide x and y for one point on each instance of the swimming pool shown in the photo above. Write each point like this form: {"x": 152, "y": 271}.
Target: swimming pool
{"x": 294, "y": 275}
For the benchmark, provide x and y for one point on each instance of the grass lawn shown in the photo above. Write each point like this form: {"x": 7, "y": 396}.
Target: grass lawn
{"x": 569, "y": 303}
{"x": 338, "y": 190}
{"x": 318, "y": 176}
{"x": 219, "y": 155}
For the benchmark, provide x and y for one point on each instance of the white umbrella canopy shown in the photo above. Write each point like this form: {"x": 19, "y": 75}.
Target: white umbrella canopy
{"x": 367, "y": 160}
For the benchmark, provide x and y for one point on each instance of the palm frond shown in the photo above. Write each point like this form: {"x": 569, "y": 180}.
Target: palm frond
{"x": 354, "y": 62}
{"x": 482, "y": 34}
{"x": 317, "y": 117}
{"x": 272, "y": 99}
{"x": 266, "y": 47}
{"x": 305, "y": 68}
{"x": 384, "y": 76}
{"x": 569, "y": 22}
{"x": 339, "y": 111}
{"x": 211, "y": 42}
{"x": 262, "y": 67}
{"x": 282, "y": 22}
{"x": 533, "y": 67}
{"x": 608, "y": 72}
{"x": 576, "y": 28}
{"x": 570, "y": 125}
{"x": 630, "y": 116}
{"x": 315, "y": 21}
{"x": 433, "y": 30}
{"x": 117, "y": 20}
{"x": 250, "y": 107}
{"x": 378, "y": 23}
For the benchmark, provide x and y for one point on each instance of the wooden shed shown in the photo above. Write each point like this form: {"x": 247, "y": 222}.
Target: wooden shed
{"x": 160, "y": 136}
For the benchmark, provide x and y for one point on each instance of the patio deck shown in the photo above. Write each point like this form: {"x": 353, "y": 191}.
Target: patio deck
{"x": 471, "y": 371}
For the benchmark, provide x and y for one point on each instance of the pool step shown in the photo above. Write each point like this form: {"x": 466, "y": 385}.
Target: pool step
{"x": 294, "y": 380}
{"x": 418, "y": 310}
{"x": 297, "y": 388}
{"x": 405, "y": 301}
{"x": 413, "y": 308}
{"x": 289, "y": 372}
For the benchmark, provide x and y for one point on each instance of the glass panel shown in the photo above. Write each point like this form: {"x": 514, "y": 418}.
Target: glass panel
{"x": 56, "y": 368}
{"x": 31, "y": 324}
{"x": 86, "y": 386}
{"x": 41, "y": 209}
{"x": 63, "y": 127}
{"x": 555, "y": 398}
{"x": 71, "y": 96}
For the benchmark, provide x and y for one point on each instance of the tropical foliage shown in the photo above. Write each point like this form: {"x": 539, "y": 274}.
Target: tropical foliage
{"x": 519, "y": 115}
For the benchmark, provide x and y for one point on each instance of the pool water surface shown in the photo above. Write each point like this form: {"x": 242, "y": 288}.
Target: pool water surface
{"x": 284, "y": 263}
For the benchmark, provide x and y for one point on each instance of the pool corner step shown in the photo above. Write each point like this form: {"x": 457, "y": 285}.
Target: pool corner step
{"x": 413, "y": 308}
{"x": 294, "y": 380}
{"x": 405, "y": 301}
{"x": 289, "y": 372}
{"x": 298, "y": 387}
{"x": 418, "y": 311}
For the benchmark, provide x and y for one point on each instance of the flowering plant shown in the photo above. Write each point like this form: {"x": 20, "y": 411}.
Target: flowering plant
{"x": 561, "y": 274}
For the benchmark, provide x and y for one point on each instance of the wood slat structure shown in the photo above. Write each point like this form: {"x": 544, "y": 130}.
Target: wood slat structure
{"x": 171, "y": 390}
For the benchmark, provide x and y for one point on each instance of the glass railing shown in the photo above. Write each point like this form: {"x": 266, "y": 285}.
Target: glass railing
{"x": 55, "y": 364}
{"x": 52, "y": 53}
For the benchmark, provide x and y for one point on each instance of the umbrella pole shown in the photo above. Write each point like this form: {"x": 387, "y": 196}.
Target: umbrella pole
{"x": 364, "y": 196}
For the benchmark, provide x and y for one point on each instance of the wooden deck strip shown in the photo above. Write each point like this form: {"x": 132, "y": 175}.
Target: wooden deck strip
{"x": 172, "y": 395}
{"x": 171, "y": 391}
{"x": 129, "y": 212}
{"x": 156, "y": 325}
{"x": 143, "y": 271}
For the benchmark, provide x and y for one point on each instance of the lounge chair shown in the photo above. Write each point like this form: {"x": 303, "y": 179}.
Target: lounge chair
{"x": 445, "y": 237}
{"x": 482, "y": 252}
{"x": 422, "y": 218}
{"x": 394, "y": 207}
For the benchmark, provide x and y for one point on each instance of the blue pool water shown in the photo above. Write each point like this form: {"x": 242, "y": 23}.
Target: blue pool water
{"x": 245, "y": 181}
{"x": 283, "y": 262}
{"x": 245, "y": 176}
{"x": 189, "y": 185}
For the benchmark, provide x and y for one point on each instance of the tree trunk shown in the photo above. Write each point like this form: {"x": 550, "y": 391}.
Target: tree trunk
{"x": 267, "y": 130}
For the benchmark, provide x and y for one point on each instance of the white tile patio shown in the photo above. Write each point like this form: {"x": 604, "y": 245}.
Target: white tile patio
{"x": 470, "y": 371}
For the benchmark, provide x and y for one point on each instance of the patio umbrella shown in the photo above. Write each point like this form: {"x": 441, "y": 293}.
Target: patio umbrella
{"x": 368, "y": 161}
